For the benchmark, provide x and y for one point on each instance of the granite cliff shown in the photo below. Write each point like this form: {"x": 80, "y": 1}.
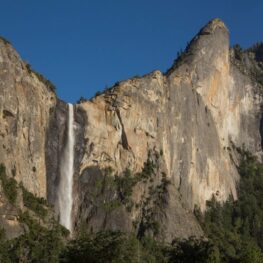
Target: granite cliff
{"x": 147, "y": 150}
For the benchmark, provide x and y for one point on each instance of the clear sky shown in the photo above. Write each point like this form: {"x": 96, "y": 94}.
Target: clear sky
{"x": 82, "y": 46}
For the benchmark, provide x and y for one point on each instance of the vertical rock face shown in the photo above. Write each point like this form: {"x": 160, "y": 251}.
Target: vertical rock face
{"x": 193, "y": 114}
{"x": 56, "y": 137}
{"x": 55, "y": 142}
{"x": 25, "y": 104}
{"x": 148, "y": 150}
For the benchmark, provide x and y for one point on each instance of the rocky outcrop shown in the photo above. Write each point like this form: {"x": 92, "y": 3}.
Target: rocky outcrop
{"x": 25, "y": 103}
{"x": 194, "y": 114}
{"x": 148, "y": 150}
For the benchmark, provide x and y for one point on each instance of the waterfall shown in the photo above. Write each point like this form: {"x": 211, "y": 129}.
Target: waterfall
{"x": 65, "y": 190}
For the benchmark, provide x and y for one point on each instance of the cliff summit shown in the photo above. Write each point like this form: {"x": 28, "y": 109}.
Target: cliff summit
{"x": 150, "y": 149}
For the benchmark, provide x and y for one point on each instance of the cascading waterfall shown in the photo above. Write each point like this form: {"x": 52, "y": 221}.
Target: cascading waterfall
{"x": 65, "y": 190}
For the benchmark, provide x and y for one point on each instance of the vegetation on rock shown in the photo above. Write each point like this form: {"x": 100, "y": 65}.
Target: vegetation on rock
{"x": 38, "y": 244}
{"x": 249, "y": 61}
{"x": 41, "y": 78}
{"x": 235, "y": 227}
{"x": 5, "y": 40}
{"x": 34, "y": 203}
{"x": 9, "y": 185}
{"x": 233, "y": 230}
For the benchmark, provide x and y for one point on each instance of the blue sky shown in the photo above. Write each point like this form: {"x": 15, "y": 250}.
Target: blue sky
{"x": 84, "y": 46}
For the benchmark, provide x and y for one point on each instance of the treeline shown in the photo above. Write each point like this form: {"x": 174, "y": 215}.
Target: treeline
{"x": 233, "y": 233}
{"x": 236, "y": 227}
{"x": 42, "y": 245}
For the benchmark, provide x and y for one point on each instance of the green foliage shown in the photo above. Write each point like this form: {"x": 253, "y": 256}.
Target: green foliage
{"x": 152, "y": 206}
{"x": 110, "y": 205}
{"x": 161, "y": 190}
{"x": 2, "y": 234}
{"x": 102, "y": 247}
{"x": 148, "y": 168}
{"x": 117, "y": 247}
{"x": 155, "y": 199}
{"x": 41, "y": 78}
{"x": 180, "y": 59}
{"x": 10, "y": 189}
{"x": 114, "y": 247}
{"x": 154, "y": 251}
{"x": 38, "y": 244}
{"x": 103, "y": 195}
{"x": 237, "y": 51}
{"x": 161, "y": 152}
{"x": 9, "y": 185}
{"x": 34, "y": 203}
{"x": 148, "y": 223}
{"x": 124, "y": 185}
{"x": 192, "y": 250}
{"x": 235, "y": 227}
{"x": 180, "y": 55}
{"x": 249, "y": 61}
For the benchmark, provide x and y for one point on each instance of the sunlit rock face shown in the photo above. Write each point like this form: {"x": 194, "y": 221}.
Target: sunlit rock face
{"x": 194, "y": 114}
{"x": 25, "y": 104}
{"x": 187, "y": 122}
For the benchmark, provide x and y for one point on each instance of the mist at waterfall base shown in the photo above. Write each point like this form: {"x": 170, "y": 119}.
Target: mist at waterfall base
{"x": 65, "y": 199}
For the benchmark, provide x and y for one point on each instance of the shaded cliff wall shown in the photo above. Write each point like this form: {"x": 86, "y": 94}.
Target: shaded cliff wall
{"x": 56, "y": 137}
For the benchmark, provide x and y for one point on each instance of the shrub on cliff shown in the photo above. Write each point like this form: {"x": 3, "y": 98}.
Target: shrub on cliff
{"x": 37, "y": 244}
{"x": 9, "y": 185}
{"x": 34, "y": 203}
{"x": 5, "y": 40}
{"x": 41, "y": 78}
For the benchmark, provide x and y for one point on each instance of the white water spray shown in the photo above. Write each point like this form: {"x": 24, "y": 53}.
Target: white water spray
{"x": 65, "y": 190}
